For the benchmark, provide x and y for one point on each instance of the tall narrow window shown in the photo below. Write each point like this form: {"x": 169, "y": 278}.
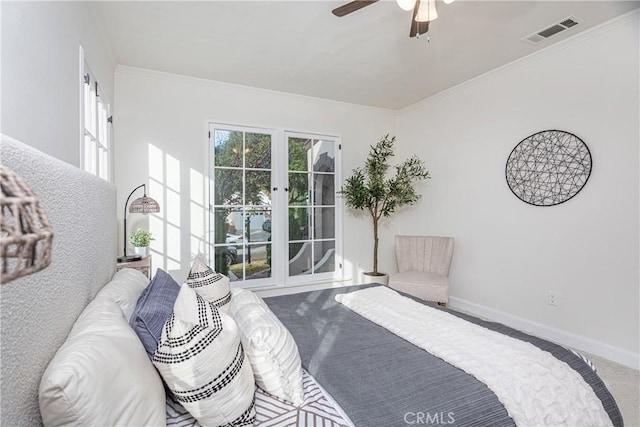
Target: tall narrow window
{"x": 96, "y": 117}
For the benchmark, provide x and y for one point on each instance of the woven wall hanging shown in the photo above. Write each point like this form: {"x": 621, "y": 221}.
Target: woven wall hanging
{"x": 548, "y": 168}
{"x": 25, "y": 233}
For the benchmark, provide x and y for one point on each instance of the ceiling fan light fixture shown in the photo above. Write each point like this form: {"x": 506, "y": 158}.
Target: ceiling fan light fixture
{"x": 406, "y": 4}
{"x": 427, "y": 11}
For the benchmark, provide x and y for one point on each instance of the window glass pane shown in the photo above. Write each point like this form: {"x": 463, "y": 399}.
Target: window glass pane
{"x": 103, "y": 114}
{"x": 227, "y": 148}
{"x": 258, "y": 188}
{"x": 89, "y": 155}
{"x": 258, "y": 151}
{"x": 87, "y": 106}
{"x": 299, "y": 189}
{"x": 324, "y": 191}
{"x": 324, "y": 156}
{"x": 298, "y": 154}
{"x": 299, "y": 222}
{"x": 228, "y": 186}
{"x": 300, "y": 258}
{"x": 324, "y": 224}
{"x": 103, "y": 163}
{"x": 92, "y": 110}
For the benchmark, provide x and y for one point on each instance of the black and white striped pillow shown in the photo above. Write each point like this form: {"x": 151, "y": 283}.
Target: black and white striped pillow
{"x": 203, "y": 363}
{"x": 212, "y": 286}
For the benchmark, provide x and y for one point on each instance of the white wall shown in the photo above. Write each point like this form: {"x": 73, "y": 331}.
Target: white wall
{"x": 41, "y": 74}
{"x": 509, "y": 254}
{"x": 161, "y": 133}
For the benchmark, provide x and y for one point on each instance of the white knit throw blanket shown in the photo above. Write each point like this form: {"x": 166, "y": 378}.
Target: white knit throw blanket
{"x": 535, "y": 388}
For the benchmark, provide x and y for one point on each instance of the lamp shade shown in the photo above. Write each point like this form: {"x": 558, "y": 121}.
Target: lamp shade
{"x": 427, "y": 11}
{"x": 25, "y": 233}
{"x": 144, "y": 205}
{"x": 406, "y": 4}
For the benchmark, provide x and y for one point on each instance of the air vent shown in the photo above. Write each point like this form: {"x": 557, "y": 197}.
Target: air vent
{"x": 552, "y": 30}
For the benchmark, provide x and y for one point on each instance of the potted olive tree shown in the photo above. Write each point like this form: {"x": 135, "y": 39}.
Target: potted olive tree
{"x": 370, "y": 190}
{"x": 141, "y": 239}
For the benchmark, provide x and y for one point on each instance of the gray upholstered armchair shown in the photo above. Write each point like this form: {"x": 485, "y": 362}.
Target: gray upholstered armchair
{"x": 423, "y": 267}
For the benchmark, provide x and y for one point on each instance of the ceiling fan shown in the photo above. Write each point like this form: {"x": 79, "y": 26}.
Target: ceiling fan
{"x": 424, "y": 11}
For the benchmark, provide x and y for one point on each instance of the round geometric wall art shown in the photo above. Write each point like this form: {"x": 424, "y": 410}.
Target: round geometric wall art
{"x": 548, "y": 168}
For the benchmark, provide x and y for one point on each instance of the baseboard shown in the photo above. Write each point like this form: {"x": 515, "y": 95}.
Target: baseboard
{"x": 578, "y": 342}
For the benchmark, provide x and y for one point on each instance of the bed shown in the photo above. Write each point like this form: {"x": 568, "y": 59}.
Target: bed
{"x": 380, "y": 379}
{"x": 355, "y": 372}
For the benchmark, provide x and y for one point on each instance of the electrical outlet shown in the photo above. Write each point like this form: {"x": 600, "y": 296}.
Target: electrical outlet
{"x": 552, "y": 298}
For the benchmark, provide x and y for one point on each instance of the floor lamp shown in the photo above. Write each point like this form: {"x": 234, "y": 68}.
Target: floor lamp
{"x": 143, "y": 205}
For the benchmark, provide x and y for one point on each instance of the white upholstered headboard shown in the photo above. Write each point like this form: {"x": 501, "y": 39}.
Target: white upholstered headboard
{"x": 37, "y": 311}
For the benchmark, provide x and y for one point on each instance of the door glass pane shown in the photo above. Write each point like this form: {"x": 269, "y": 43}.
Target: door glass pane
{"x": 324, "y": 223}
{"x": 236, "y": 268}
{"x": 299, "y": 258}
{"x": 228, "y": 186}
{"x": 258, "y": 151}
{"x": 299, "y": 189}
{"x": 324, "y": 191}
{"x": 324, "y": 156}
{"x": 299, "y": 223}
{"x": 222, "y": 218}
{"x": 227, "y": 148}
{"x": 257, "y": 223}
{"x": 325, "y": 254}
{"x": 258, "y": 188}
{"x": 298, "y": 154}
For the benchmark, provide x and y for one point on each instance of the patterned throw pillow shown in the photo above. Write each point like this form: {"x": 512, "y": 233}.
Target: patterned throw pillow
{"x": 203, "y": 363}
{"x": 270, "y": 347}
{"x": 212, "y": 286}
{"x": 153, "y": 308}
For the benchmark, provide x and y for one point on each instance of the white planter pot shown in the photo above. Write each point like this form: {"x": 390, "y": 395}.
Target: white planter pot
{"x": 141, "y": 250}
{"x": 383, "y": 278}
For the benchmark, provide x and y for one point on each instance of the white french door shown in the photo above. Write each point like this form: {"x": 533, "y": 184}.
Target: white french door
{"x": 313, "y": 237}
{"x": 273, "y": 218}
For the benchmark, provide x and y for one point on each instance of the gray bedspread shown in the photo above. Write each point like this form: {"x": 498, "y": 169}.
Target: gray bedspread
{"x": 381, "y": 380}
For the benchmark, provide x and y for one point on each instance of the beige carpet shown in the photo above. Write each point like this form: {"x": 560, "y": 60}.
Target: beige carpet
{"x": 624, "y": 384}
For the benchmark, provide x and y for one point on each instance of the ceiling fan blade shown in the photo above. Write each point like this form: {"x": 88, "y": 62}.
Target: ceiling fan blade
{"x": 417, "y": 28}
{"x": 351, "y": 7}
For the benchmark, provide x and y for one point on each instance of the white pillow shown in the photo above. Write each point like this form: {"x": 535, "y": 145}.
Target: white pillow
{"x": 125, "y": 288}
{"x": 212, "y": 286}
{"x": 101, "y": 375}
{"x": 202, "y": 361}
{"x": 270, "y": 347}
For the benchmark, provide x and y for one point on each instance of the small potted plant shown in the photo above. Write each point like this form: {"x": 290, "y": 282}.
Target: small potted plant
{"x": 370, "y": 190}
{"x": 141, "y": 239}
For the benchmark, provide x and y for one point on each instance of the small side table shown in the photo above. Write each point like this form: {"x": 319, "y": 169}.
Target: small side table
{"x": 144, "y": 265}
